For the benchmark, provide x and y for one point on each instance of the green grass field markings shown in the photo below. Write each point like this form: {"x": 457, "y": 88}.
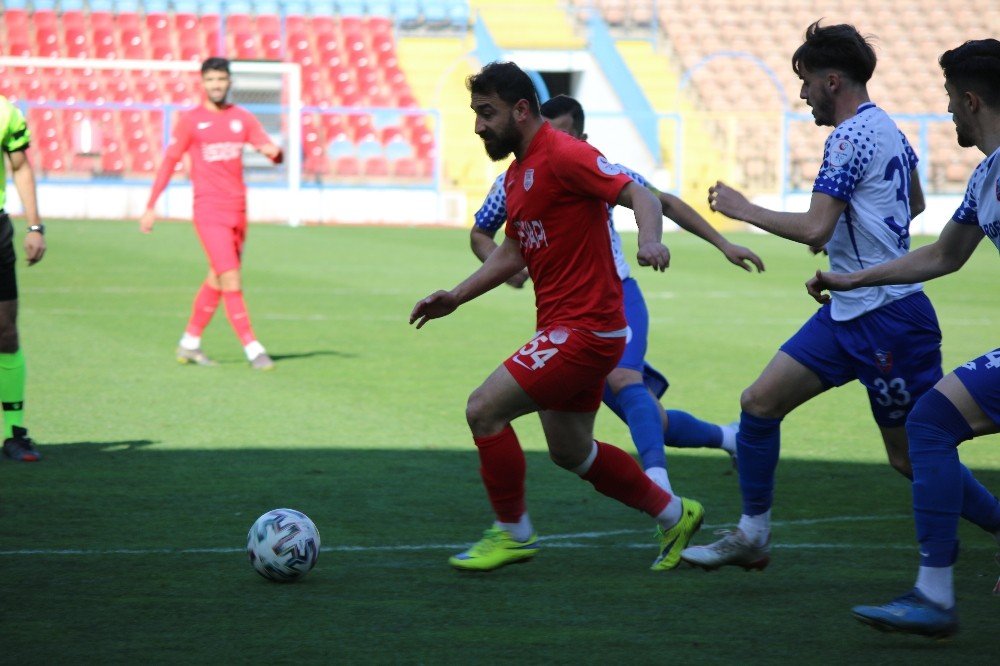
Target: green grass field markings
{"x": 551, "y": 540}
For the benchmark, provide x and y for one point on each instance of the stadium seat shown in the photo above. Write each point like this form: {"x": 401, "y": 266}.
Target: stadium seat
{"x": 376, "y": 167}
{"x": 347, "y": 166}
{"x": 405, "y": 167}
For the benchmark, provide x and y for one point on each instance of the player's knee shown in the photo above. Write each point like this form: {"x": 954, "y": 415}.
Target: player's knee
{"x": 758, "y": 403}
{"x": 901, "y": 463}
{"x": 479, "y": 415}
{"x": 9, "y": 341}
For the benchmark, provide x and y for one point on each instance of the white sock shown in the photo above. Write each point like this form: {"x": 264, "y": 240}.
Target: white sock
{"x": 191, "y": 342}
{"x": 519, "y": 531}
{"x": 658, "y": 475}
{"x": 253, "y": 350}
{"x": 584, "y": 467}
{"x": 757, "y": 528}
{"x": 671, "y": 515}
{"x": 729, "y": 436}
{"x": 936, "y": 584}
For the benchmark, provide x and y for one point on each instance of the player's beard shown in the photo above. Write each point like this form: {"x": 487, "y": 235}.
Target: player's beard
{"x": 965, "y": 140}
{"x": 822, "y": 109}
{"x": 499, "y": 146}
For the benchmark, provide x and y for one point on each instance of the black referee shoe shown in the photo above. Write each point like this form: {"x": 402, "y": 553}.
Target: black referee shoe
{"x": 20, "y": 447}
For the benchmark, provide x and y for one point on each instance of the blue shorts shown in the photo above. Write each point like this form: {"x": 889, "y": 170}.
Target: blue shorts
{"x": 894, "y": 351}
{"x": 981, "y": 378}
{"x": 634, "y": 357}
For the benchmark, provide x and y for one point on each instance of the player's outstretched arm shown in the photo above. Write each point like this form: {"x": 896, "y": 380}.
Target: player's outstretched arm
{"x": 271, "y": 152}
{"x": 649, "y": 218}
{"x": 687, "y": 218}
{"x": 483, "y": 245}
{"x": 946, "y": 255}
{"x": 813, "y": 228}
{"x": 504, "y": 262}
{"x": 24, "y": 181}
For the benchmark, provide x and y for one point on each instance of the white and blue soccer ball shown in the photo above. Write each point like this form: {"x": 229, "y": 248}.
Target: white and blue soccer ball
{"x": 283, "y": 545}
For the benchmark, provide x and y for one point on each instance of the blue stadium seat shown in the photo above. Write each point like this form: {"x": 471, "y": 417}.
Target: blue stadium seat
{"x": 212, "y": 7}
{"x": 17, "y": 4}
{"x": 44, "y": 4}
{"x": 183, "y": 6}
{"x": 458, "y": 12}
{"x": 268, "y": 6}
{"x": 351, "y": 7}
{"x": 69, "y": 5}
{"x": 297, "y": 8}
{"x": 239, "y": 7}
{"x": 381, "y": 8}
{"x": 408, "y": 11}
{"x": 323, "y": 8}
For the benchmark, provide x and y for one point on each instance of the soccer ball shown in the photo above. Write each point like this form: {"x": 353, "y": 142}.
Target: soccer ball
{"x": 283, "y": 545}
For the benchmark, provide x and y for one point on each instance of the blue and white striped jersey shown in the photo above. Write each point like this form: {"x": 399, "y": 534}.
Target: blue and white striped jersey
{"x": 981, "y": 204}
{"x": 493, "y": 214}
{"x": 867, "y": 163}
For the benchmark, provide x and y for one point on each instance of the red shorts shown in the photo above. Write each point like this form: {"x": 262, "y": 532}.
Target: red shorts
{"x": 222, "y": 234}
{"x": 564, "y": 369}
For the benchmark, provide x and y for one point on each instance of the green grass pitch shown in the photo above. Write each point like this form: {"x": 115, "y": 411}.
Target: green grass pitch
{"x": 125, "y": 544}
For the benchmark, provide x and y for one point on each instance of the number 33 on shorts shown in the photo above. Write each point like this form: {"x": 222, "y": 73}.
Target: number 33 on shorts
{"x": 542, "y": 347}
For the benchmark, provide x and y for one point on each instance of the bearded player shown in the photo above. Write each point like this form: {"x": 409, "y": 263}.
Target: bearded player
{"x": 213, "y": 135}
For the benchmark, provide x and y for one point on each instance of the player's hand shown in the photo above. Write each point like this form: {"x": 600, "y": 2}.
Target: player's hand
{"x": 439, "y": 304}
{"x": 34, "y": 247}
{"x": 740, "y": 256}
{"x": 272, "y": 152}
{"x": 147, "y": 221}
{"x": 731, "y": 203}
{"x": 654, "y": 254}
{"x": 827, "y": 281}
{"x": 518, "y": 279}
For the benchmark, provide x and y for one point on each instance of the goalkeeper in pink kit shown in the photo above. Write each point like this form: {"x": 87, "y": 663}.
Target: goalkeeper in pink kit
{"x": 214, "y": 134}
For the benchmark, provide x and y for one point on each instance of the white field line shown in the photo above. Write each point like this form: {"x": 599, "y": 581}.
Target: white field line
{"x": 573, "y": 540}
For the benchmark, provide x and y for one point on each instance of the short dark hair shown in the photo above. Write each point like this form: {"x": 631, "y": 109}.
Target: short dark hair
{"x": 561, "y": 105}
{"x": 975, "y": 66}
{"x": 215, "y": 65}
{"x": 508, "y": 81}
{"x": 839, "y": 47}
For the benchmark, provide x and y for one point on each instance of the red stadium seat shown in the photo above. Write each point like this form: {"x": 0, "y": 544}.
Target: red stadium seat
{"x": 405, "y": 167}
{"x": 186, "y": 23}
{"x": 376, "y": 167}
{"x": 127, "y": 21}
{"x": 239, "y": 23}
{"x": 347, "y": 166}
{"x": 101, "y": 20}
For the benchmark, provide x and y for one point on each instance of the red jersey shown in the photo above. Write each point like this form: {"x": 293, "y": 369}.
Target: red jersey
{"x": 214, "y": 140}
{"x": 557, "y": 208}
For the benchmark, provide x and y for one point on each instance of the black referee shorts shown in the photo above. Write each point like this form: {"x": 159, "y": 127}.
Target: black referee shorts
{"x": 8, "y": 278}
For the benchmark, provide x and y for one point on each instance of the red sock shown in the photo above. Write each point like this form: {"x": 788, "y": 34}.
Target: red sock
{"x": 236, "y": 310}
{"x": 503, "y": 468}
{"x": 616, "y": 474}
{"x": 205, "y": 305}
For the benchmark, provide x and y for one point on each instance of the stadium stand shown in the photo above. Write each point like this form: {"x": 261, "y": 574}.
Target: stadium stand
{"x": 909, "y": 36}
{"x": 347, "y": 61}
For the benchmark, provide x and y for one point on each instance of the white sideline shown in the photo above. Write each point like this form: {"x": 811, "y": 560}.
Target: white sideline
{"x": 551, "y": 541}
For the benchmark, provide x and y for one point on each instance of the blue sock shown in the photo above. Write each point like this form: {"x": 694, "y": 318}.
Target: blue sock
{"x": 757, "y": 445}
{"x": 642, "y": 414}
{"x": 611, "y": 400}
{"x": 934, "y": 429}
{"x": 979, "y": 506}
{"x": 685, "y": 431}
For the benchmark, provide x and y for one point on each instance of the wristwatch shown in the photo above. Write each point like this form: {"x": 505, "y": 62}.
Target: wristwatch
{"x": 40, "y": 228}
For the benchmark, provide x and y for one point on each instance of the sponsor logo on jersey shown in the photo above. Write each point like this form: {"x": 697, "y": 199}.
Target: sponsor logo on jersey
{"x": 236, "y": 126}
{"x": 884, "y": 360}
{"x": 529, "y": 179}
{"x": 531, "y": 234}
{"x": 221, "y": 152}
{"x": 841, "y": 153}
{"x": 607, "y": 168}
{"x": 204, "y": 125}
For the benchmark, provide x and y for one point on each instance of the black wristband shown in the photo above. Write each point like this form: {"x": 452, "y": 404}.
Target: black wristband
{"x": 40, "y": 228}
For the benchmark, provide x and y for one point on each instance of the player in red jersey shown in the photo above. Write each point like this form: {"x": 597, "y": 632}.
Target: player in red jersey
{"x": 558, "y": 189}
{"x": 214, "y": 134}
